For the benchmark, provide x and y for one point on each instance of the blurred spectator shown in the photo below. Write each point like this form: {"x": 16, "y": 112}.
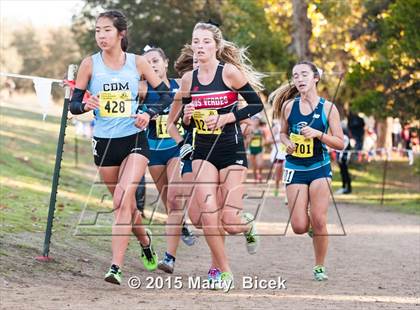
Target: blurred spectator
{"x": 343, "y": 160}
{"x": 369, "y": 145}
{"x": 356, "y": 128}
{"x": 396, "y": 134}
{"x": 407, "y": 142}
{"x": 415, "y": 141}
{"x": 10, "y": 86}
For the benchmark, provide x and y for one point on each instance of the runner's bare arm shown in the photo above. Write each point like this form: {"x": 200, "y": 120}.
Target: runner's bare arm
{"x": 83, "y": 77}
{"x": 236, "y": 79}
{"x": 335, "y": 137}
{"x": 284, "y": 131}
{"x": 159, "y": 86}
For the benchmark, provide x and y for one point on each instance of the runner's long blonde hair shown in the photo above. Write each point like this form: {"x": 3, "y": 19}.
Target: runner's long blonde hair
{"x": 184, "y": 62}
{"x": 229, "y": 52}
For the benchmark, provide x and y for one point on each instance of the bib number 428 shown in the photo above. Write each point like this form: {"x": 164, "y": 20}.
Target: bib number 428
{"x": 115, "y": 106}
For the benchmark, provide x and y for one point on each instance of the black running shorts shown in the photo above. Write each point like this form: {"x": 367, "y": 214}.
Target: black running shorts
{"x": 222, "y": 155}
{"x": 109, "y": 152}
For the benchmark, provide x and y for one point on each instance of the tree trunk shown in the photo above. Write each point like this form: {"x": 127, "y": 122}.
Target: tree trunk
{"x": 302, "y": 30}
{"x": 384, "y": 133}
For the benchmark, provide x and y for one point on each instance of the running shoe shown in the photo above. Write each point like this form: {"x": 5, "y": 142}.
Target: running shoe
{"x": 167, "y": 264}
{"x": 187, "y": 235}
{"x": 226, "y": 281}
{"x": 114, "y": 275}
{"x": 319, "y": 273}
{"x": 148, "y": 255}
{"x": 252, "y": 239}
{"x": 214, "y": 277}
{"x": 340, "y": 191}
{"x": 276, "y": 192}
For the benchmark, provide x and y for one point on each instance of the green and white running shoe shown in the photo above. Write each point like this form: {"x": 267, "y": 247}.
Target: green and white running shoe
{"x": 148, "y": 255}
{"x": 319, "y": 273}
{"x": 252, "y": 239}
{"x": 226, "y": 281}
{"x": 114, "y": 275}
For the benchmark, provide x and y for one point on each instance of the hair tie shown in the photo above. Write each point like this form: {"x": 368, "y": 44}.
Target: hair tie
{"x": 212, "y": 22}
{"x": 146, "y": 48}
{"x": 320, "y": 71}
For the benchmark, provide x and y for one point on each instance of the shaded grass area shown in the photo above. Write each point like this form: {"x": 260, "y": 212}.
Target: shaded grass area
{"x": 27, "y": 158}
{"x": 27, "y": 154}
{"x": 401, "y": 191}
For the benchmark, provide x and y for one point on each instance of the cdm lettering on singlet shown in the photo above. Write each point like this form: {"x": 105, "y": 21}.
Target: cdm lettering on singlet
{"x": 115, "y": 86}
{"x": 214, "y": 100}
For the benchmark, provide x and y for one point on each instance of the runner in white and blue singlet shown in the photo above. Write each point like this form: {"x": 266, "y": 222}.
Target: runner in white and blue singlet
{"x": 309, "y": 123}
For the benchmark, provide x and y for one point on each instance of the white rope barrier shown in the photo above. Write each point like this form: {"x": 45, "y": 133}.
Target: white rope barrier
{"x": 30, "y": 77}
{"x": 42, "y": 87}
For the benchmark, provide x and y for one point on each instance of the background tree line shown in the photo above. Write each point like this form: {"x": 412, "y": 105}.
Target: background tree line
{"x": 370, "y": 46}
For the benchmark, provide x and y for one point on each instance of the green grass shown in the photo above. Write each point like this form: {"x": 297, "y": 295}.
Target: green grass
{"x": 402, "y": 186}
{"x": 27, "y": 157}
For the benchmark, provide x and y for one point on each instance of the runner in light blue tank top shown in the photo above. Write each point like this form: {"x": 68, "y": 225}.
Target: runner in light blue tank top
{"x": 118, "y": 90}
{"x": 308, "y": 124}
{"x": 120, "y": 146}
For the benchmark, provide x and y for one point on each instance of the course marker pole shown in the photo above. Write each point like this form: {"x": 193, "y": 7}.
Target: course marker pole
{"x": 58, "y": 158}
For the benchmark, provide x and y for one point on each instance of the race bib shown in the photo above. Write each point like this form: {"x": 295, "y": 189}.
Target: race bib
{"x": 288, "y": 175}
{"x": 304, "y": 147}
{"x": 115, "y": 103}
{"x": 161, "y": 127}
{"x": 256, "y": 142}
{"x": 199, "y": 117}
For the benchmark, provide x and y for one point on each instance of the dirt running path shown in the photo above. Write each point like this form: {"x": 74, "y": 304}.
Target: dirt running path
{"x": 376, "y": 265}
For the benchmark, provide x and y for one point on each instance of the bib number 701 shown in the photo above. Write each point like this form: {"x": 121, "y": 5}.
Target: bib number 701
{"x": 304, "y": 146}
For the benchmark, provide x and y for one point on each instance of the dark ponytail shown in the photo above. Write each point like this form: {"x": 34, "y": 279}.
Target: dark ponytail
{"x": 120, "y": 22}
{"x": 124, "y": 43}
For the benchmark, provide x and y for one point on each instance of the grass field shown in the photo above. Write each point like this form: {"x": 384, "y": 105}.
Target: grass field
{"x": 402, "y": 186}
{"x": 27, "y": 156}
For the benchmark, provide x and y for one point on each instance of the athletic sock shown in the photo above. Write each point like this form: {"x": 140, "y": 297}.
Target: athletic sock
{"x": 115, "y": 268}
{"x": 170, "y": 256}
